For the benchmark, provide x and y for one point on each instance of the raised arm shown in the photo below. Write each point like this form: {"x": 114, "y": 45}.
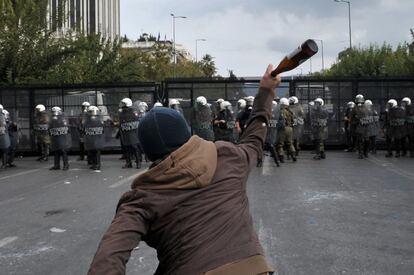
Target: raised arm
{"x": 123, "y": 235}
{"x": 254, "y": 136}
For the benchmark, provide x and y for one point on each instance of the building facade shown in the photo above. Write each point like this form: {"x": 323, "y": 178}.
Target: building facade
{"x": 148, "y": 45}
{"x": 86, "y": 16}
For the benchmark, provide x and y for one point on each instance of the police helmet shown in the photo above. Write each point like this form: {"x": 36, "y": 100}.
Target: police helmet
{"x": 241, "y": 103}
{"x": 359, "y": 99}
{"x": 284, "y": 101}
{"x": 56, "y": 110}
{"x": 351, "y": 104}
{"x": 293, "y": 100}
{"x": 201, "y": 100}
{"x": 40, "y": 108}
{"x": 368, "y": 103}
{"x": 319, "y": 101}
{"x": 93, "y": 110}
{"x": 143, "y": 105}
{"x": 392, "y": 103}
{"x": 406, "y": 100}
{"x": 173, "y": 102}
{"x": 225, "y": 105}
{"x": 126, "y": 102}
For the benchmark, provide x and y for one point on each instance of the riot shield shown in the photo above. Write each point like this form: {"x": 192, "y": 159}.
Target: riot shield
{"x": 128, "y": 125}
{"x": 59, "y": 132}
{"x": 94, "y": 132}
{"x": 397, "y": 119}
{"x": 319, "y": 123}
{"x": 4, "y": 133}
{"x": 202, "y": 124}
{"x": 272, "y": 127}
{"x": 373, "y": 126}
{"x": 41, "y": 127}
{"x": 363, "y": 117}
{"x": 298, "y": 121}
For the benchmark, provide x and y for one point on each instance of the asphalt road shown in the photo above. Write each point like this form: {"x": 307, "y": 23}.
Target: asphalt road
{"x": 337, "y": 216}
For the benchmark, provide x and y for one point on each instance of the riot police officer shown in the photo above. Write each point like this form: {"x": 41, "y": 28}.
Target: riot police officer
{"x": 298, "y": 121}
{"x": 202, "y": 119}
{"x": 60, "y": 137}
{"x": 285, "y": 131}
{"x": 409, "y": 110}
{"x": 158, "y": 104}
{"x": 394, "y": 127}
{"x": 360, "y": 117}
{"x": 4, "y": 138}
{"x": 404, "y": 139}
{"x": 241, "y": 106}
{"x": 128, "y": 125}
{"x": 349, "y": 131}
{"x": 373, "y": 126}
{"x": 176, "y": 105}
{"x": 319, "y": 122}
{"x": 243, "y": 116}
{"x": 225, "y": 123}
{"x": 94, "y": 136}
{"x": 12, "y": 129}
{"x": 81, "y": 130}
{"x": 41, "y": 131}
{"x": 271, "y": 136}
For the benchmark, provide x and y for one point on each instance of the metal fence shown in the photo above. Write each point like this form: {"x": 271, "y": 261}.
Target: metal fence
{"x": 20, "y": 101}
{"x": 335, "y": 92}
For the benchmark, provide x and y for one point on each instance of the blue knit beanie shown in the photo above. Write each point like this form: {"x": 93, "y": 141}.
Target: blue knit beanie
{"x": 162, "y": 131}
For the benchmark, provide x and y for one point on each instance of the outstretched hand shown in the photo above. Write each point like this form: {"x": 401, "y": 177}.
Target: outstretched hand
{"x": 268, "y": 81}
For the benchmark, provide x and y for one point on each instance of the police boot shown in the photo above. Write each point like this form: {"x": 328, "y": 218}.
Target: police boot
{"x": 397, "y": 154}
{"x": 65, "y": 165}
{"x": 127, "y": 165}
{"x": 276, "y": 159}
{"x": 294, "y": 157}
{"x": 323, "y": 156}
{"x": 317, "y": 157}
{"x": 57, "y": 162}
{"x": 138, "y": 165}
{"x": 259, "y": 163}
{"x": 388, "y": 155}
{"x": 3, "y": 165}
{"x": 412, "y": 154}
{"x": 39, "y": 158}
{"x": 281, "y": 158}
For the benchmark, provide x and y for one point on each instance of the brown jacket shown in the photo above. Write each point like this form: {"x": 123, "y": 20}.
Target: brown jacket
{"x": 192, "y": 207}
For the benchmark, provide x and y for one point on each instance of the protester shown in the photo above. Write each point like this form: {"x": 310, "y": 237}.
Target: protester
{"x": 191, "y": 205}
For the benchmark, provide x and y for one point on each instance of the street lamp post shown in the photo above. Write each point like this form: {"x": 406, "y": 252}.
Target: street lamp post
{"x": 349, "y": 18}
{"x": 174, "y": 51}
{"x": 323, "y": 58}
{"x": 196, "y": 47}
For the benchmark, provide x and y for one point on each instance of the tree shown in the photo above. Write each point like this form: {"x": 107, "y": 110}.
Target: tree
{"x": 374, "y": 61}
{"x": 208, "y": 65}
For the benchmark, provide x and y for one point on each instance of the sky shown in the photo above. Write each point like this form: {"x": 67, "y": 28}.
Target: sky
{"x": 246, "y": 36}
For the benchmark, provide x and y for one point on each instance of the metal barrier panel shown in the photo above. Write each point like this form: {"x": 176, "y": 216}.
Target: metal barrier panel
{"x": 20, "y": 102}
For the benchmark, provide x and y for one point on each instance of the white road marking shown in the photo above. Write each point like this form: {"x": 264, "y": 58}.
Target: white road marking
{"x": 126, "y": 180}
{"x": 57, "y": 230}
{"x": 11, "y": 200}
{"x": 20, "y": 174}
{"x": 267, "y": 169}
{"x": 28, "y": 253}
{"x": 7, "y": 240}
